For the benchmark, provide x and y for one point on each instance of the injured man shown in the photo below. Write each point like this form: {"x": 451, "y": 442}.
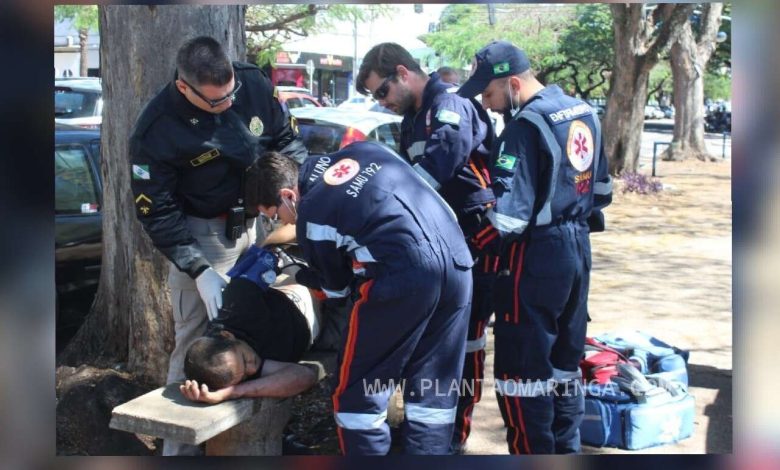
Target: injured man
{"x": 265, "y": 325}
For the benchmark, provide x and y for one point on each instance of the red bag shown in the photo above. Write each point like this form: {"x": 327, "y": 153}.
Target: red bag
{"x": 600, "y": 362}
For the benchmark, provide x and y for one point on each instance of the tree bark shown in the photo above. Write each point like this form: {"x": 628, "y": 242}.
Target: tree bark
{"x": 689, "y": 62}
{"x": 83, "y": 51}
{"x": 130, "y": 319}
{"x": 639, "y": 42}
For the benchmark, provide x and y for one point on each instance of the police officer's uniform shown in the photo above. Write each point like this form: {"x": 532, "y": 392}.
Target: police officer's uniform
{"x": 187, "y": 170}
{"x": 369, "y": 225}
{"x": 448, "y": 142}
{"x": 550, "y": 179}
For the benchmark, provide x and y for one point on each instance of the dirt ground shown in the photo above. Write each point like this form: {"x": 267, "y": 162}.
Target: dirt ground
{"x": 663, "y": 267}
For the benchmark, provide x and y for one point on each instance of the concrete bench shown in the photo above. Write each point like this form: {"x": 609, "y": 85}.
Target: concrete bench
{"x": 247, "y": 426}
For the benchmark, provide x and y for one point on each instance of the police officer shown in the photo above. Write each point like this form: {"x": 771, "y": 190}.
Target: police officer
{"x": 447, "y": 139}
{"x": 550, "y": 180}
{"x": 189, "y": 150}
{"x": 368, "y": 224}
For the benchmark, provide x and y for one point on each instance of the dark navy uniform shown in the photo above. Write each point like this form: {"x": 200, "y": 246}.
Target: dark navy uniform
{"x": 448, "y": 143}
{"x": 187, "y": 161}
{"x": 367, "y": 223}
{"x": 551, "y": 181}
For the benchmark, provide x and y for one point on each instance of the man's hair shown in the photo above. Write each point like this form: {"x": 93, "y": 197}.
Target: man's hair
{"x": 383, "y": 59}
{"x": 448, "y": 71}
{"x": 203, "y": 61}
{"x": 271, "y": 173}
{"x": 205, "y": 361}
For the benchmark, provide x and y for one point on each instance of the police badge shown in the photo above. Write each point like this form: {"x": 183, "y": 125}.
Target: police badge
{"x": 256, "y": 126}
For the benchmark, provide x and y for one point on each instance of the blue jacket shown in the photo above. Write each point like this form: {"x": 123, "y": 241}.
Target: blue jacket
{"x": 364, "y": 211}
{"x": 448, "y": 143}
{"x": 548, "y": 166}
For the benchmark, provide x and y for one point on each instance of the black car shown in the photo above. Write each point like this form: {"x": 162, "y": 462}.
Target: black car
{"x": 78, "y": 222}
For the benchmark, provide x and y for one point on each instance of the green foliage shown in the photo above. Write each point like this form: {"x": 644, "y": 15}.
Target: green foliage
{"x": 661, "y": 83}
{"x": 717, "y": 86}
{"x": 84, "y": 17}
{"x": 464, "y": 29}
{"x": 587, "y": 46}
{"x": 268, "y": 26}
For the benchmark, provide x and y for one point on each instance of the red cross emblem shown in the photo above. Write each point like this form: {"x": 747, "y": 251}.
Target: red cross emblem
{"x": 341, "y": 171}
{"x": 581, "y": 146}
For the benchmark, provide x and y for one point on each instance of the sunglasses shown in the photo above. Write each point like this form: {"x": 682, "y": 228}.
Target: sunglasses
{"x": 214, "y": 103}
{"x": 383, "y": 89}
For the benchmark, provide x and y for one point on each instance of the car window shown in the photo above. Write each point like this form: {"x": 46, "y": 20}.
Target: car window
{"x": 75, "y": 104}
{"x": 75, "y": 191}
{"x": 320, "y": 138}
{"x": 294, "y": 103}
{"x": 308, "y": 103}
{"x": 389, "y": 134}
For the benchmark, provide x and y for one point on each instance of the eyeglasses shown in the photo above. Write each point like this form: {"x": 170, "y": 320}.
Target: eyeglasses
{"x": 214, "y": 103}
{"x": 383, "y": 89}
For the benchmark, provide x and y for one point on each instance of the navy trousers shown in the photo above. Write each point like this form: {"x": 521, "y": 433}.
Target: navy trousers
{"x": 541, "y": 317}
{"x": 409, "y": 329}
{"x": 483, "y": 275}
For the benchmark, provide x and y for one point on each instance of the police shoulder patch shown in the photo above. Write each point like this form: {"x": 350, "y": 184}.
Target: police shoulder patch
{"x": 448, "y": 117}
{"x": 256, "y": 126}
{"x": 141, "y": 172}
{"x": 506, "y": 161}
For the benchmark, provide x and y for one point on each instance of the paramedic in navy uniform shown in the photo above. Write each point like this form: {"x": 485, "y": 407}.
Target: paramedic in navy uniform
{"x": 369, "y": 226}
{"x": 189, "y": 150}
{"x": 447, "y": 140}
{"x": 549, "y": 175}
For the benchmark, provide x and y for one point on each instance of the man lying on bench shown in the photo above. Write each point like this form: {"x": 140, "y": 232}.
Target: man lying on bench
{"x": 251, "y": 348}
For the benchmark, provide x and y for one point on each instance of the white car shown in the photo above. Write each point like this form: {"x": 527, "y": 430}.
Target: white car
{"x": 653, "y": 112}
{"x": 78, "y": 102}
{"x": 326, "y": 130}
{"x": 358, "y": 102}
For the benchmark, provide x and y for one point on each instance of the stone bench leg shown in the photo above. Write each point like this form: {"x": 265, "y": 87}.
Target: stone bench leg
{"x": 260, "y": 435}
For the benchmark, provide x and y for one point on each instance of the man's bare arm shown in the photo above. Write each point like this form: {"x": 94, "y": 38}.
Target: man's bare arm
{"x": 279, "y": 379}
{"x": 281, "y": 236}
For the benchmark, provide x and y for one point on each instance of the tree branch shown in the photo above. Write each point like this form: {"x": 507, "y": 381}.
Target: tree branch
{"x": 281, "y": 23}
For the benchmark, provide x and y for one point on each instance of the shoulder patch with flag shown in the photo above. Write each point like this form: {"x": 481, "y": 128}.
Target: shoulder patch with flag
{"x": 501, "y": 67}
{"x": 141, "y": 172}
{"x": 505, "y": 161}
{"x": 448, "y": 117}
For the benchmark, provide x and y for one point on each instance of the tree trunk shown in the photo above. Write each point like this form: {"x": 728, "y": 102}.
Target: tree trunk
{"x": 639, "y": 42}
{"x": 83, "y": 52}
{"x": 689, "y": 61}
{"x": 130, "y": 319}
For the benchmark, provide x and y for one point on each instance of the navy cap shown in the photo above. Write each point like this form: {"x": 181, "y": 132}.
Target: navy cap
{"x": 497, "y": 59}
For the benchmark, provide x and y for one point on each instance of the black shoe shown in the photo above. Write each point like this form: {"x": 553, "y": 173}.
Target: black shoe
{"x": 291, "y": 446}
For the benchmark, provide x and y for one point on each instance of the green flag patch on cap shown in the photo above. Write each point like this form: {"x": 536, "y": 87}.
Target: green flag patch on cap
{"x": 507, "y": 162}
{"x": 448, "y": 117}
{"x": 501, "y": 67}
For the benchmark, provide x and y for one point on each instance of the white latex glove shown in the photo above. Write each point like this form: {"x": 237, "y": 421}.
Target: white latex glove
{"x": 210, "y": 285}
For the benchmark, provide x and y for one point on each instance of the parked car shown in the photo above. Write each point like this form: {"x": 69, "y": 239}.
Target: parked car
{"x": 78, "y": 102}
{"x": 653, "y": 112}
{"x": 78, "y": 223}
{"x": 295, "y": 97}
{"x": 668, "y": 111}
{"x": 358, "y": 102}
{"x": 326, "y": 130}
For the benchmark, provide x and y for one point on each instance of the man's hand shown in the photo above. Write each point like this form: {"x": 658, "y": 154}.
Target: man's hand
{"x": 210, "y": 285}
{"x": 193, "y": 392}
